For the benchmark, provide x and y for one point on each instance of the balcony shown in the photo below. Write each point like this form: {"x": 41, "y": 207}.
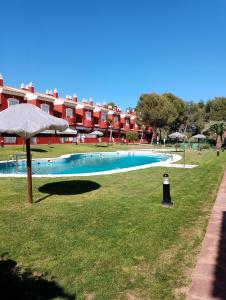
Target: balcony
{"x": 71, "y": 120}
{"x": 103, "y": 124}
{"x": 126, "y": 127}
{"x": 136, "y": 129}
{"x": 116, "y": 125}
{"x": 88, "y": 123}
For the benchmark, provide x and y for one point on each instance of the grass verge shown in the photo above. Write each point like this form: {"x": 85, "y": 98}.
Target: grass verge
{"x": 107, "y": 237}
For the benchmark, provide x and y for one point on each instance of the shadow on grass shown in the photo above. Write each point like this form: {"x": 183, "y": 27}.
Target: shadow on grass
{"x": 73, "y": 187}
{"x": 23, "y": 284}
{"x": 38, "y": 150}
{"x": 102, "y": 145}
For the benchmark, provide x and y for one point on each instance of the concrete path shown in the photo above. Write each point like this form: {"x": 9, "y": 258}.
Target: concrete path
{"x": 209, "y": 277}
{"x": 181, "y": 166}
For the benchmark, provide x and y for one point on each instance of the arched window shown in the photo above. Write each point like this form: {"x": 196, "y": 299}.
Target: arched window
{"x": 12, "y": 101}
{"x": 45, "y": 107}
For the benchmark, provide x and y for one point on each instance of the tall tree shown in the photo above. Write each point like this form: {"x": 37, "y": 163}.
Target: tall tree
{"x": 156, "y": 111}
{"x": 112, "y": 104}
{"x": 218, "y": 129}
{"x": 216, "y": 109}
{"x": 194, "y": 116}
{"x": 180, "y": 107}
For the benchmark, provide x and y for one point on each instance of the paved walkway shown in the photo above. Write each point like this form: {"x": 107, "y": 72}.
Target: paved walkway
{"x": 209, "y": 277}
{"x": 182, "y": 166}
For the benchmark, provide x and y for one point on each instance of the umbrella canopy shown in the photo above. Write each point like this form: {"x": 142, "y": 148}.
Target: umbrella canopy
{"x": 176, "y": 135}
{"x": 199, "y": 136}
{"x": 97, "y": 133}
{"x": 68, "y": 131}
{"x": 26, "y": 120}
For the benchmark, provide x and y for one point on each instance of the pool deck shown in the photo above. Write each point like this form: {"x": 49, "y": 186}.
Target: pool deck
{"x": 182, "y": 166}
{"x": 209, "y": 276}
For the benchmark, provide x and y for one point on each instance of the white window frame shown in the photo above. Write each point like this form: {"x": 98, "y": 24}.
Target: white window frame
{"x": 12, "y": 101}
{"x": 69, "y": 112}
{"x": 127, "y": 122}
{"x": 103, "y": 116}
{"x": 45, "y": 107}
{"x": 88, "y": 116}
{"x": 116, "y": 119}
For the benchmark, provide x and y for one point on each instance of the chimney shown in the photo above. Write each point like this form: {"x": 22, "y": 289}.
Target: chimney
{"x": 1, "y": 80}
{"x": 75, "y": 98}
{"x": 91, "y": 101}
{"x": 55, "y": 93}
{"x": 31, "y": 88}
{"x": 47, "y": 92}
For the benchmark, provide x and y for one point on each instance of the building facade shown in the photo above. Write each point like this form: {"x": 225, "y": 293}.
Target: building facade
{"x": 83, "y": 116}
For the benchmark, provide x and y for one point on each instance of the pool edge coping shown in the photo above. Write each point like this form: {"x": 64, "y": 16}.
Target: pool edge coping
{"x": 174, "y": 158}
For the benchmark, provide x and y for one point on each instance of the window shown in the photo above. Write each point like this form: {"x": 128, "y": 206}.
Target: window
{"x": 88, "y": 115}
{"x": 103, "y": 116}
{"x": 116, "y": 119}
{"x": 45, "y": 107}
{"x": 127, "y": 122}
{"x": 12, "y": 101}
{"x": 69, "y": 112}
{"x": 10, "y": 140}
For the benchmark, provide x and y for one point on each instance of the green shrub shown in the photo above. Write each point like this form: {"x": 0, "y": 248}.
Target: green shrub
{"x": 205, "y": 146}
{"x": 132, "y": 136}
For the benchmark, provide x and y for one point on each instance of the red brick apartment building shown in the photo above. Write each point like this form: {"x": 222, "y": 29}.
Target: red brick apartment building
{"x": 83, "y": 116}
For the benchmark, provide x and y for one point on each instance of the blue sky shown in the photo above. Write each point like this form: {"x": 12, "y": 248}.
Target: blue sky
{"x": 114, "y": 50}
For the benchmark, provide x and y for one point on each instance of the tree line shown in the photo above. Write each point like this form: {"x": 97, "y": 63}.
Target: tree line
{"x": 168, "y": 113}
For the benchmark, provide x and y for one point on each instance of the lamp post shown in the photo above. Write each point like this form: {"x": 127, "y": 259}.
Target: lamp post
{"x": 166, "y": 201}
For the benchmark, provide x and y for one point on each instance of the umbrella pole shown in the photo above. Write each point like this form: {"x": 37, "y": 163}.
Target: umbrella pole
{"x": 29, "y": 178}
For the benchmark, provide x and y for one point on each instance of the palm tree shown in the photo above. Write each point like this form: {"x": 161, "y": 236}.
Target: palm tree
{"x": 218, "y": 129}
{"x": 110, "y": 125}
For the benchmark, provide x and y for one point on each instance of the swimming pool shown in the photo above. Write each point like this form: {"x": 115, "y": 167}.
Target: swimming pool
{"x": 86, "y": 164}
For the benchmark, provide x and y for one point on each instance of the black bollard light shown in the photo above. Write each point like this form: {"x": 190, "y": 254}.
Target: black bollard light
{"x": 166, "y": 201}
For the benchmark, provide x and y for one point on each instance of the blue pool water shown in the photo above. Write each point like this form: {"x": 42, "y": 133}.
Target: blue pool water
{"x": 84, "y": 163}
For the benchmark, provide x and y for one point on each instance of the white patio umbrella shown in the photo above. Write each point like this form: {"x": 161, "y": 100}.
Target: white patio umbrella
{"x": 97, "y": 133}
{"x": 199, "y": 137}
{"x": 68, "y": 131}
{"x": 26, "y": 120}
{"x": 176, "y": 135}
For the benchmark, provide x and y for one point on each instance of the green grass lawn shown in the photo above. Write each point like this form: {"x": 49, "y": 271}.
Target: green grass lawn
{"x": 107, "y": 237}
